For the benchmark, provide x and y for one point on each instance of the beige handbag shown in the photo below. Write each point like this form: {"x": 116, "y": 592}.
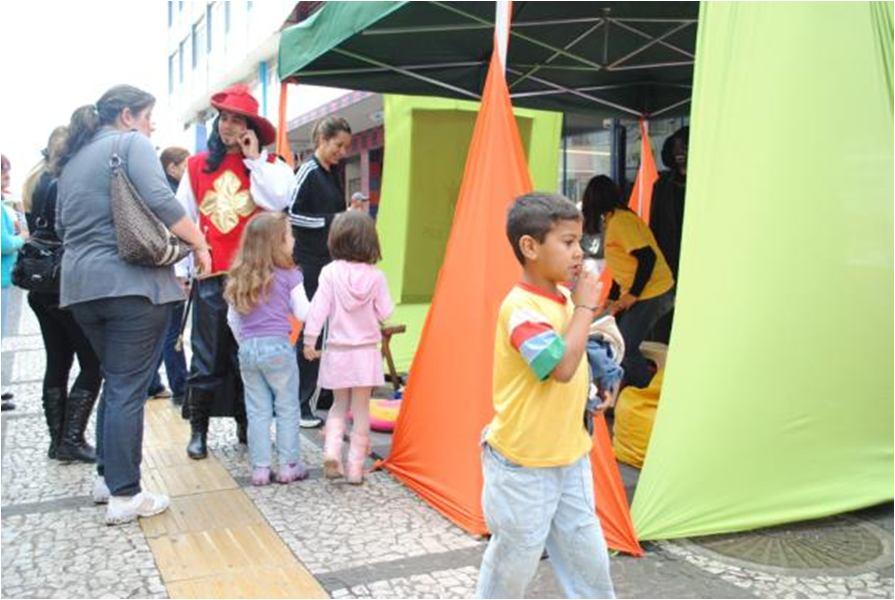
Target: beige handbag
{"x": 142, "y": 238}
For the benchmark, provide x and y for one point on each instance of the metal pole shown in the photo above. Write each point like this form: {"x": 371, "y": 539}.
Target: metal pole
{"x": 565, "y": 159}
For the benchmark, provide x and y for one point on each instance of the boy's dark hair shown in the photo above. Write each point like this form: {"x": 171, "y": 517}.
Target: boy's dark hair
{"x": 352, "y": 237}
{"x": 535, "y": 214}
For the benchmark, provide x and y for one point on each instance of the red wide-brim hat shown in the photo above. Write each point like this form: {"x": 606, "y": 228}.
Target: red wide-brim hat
{"x": 238, "y": 100}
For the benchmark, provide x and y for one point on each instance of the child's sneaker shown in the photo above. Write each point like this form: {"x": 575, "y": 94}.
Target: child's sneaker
{"x": 292, "y": 472}
{"x": 123, "y": 509}
{"x": 100, "y": 491}
{"x": 261, "y": 476}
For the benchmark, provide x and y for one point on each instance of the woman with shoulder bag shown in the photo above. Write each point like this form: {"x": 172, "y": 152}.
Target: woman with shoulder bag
{"x": 66, "y": 412}
{"x": 122, "y": 307}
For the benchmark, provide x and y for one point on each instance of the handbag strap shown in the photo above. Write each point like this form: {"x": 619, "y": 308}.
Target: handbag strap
{"x": 116, "y": 159}
{"x": 45, "y": 207}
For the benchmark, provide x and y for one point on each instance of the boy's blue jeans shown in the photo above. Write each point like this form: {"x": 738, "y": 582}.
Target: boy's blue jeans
{"x": 528, "y": 508}
{"x": 270, "y": 378}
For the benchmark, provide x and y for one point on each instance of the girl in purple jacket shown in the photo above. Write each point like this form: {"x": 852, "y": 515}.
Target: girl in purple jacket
{"x": 353, "y": 296}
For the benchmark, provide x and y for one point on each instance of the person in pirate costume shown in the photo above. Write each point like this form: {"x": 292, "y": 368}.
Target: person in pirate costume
{"x": 222, "y": 189}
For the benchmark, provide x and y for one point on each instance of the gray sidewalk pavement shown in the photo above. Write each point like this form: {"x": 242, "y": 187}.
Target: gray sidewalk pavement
{"x": 378, "y": 540}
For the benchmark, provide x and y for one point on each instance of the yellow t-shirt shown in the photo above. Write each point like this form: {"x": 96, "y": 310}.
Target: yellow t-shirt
{"x": 625, "y": 232}
{"x": 538, "y": 421}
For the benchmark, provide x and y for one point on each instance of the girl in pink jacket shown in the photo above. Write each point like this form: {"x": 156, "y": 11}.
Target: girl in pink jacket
{"x": 353, "y": 296}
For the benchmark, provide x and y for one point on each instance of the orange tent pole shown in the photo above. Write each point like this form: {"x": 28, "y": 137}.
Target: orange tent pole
{"x": 282, "y": 147}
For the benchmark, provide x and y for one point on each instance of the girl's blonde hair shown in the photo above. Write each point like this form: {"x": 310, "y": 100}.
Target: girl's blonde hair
{"x": 55, "y": 145}
{"x": 260, "y": 252}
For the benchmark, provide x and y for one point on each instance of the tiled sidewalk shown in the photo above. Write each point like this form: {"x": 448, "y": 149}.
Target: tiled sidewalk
{"x": 378, "y": 540}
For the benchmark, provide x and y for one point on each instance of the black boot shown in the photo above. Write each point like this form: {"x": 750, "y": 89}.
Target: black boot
{"x": 242, "y": 430}
{"x": 72, "y": 446}
{"x": 54, "y": 412}
{"x": 197, "y": 449}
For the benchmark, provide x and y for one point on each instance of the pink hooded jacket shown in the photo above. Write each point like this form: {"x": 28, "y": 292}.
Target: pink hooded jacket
{"x": 354, "y": 297}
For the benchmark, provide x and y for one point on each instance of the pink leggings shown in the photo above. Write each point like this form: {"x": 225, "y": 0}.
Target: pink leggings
{"x": 359, "y": 399}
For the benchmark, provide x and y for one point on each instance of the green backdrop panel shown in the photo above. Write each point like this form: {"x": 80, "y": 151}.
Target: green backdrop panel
{"x": 777, "y": 399}
{"x": 426, "y": 141}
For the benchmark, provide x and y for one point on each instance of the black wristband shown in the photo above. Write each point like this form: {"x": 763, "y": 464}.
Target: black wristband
{"x": 592, "y": 309}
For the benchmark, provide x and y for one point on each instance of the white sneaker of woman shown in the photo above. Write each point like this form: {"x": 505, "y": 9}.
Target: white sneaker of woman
{"x": 123, "y": 509}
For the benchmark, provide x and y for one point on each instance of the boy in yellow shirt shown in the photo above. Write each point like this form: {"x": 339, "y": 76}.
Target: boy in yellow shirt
{"x": 536, "y": 459}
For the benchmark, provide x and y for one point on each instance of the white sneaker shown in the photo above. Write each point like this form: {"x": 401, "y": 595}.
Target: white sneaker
{"x": 100, "y": 491}
{"x": 123, "y": 509}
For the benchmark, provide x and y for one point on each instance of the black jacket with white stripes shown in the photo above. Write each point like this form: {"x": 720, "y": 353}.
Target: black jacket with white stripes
{"x": 318, "y": 199}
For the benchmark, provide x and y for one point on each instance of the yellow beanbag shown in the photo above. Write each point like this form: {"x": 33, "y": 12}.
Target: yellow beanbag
{"x": 635, "y": 412}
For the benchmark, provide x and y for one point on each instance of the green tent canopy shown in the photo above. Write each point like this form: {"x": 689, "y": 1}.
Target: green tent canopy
{"x": 602, "y": 58}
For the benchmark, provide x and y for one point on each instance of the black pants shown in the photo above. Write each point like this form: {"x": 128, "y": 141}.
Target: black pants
{"x": 63, "y": 340}
{"x": 214, "y": 384}
{"x": 308, "y": 369}
{"x": 127, "y": 334}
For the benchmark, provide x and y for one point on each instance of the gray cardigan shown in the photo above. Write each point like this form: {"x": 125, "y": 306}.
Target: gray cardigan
{"x": 91, "y": 267}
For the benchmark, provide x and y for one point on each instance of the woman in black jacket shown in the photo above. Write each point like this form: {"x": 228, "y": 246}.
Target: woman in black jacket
{"x": 317, "y": 199}
{"x": 66, "y": 411}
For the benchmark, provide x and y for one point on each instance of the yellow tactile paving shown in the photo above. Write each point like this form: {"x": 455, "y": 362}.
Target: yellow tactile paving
{"x": 258, "y": 582}
{"x": 212, "y": 542}
{"x": 200, "y": 512}
{"x": 180, "y": 480}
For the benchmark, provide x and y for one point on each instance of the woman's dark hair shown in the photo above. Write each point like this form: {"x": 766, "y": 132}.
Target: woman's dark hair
{"x": 352, "y": 237}
{"x": 216, "y": 148}
{"x": 328, "y": 128}
{"x": 86, "y": 120}
{"x": 601, "y": 196}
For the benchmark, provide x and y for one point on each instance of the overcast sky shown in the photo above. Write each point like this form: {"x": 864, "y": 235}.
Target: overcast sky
{"x": 58, "y": 56}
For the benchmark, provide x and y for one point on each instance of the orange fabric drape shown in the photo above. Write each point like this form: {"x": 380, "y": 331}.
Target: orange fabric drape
{"x": 642, "y": 192}
{"x": 435, "y": 449}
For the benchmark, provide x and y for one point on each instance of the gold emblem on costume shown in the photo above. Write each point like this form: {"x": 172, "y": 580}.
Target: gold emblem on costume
{"x": 226, "y": 203}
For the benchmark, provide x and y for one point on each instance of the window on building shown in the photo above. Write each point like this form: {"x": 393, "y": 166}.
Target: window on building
{"x": 198, "y": 42}
{"x": 182, "y": 48}
{"x": 226, "y": 17}
{"x": 180, "y": 6}
{"x": 208, "y": 28}
{"x": 249, "y": 5}
{"x": 195, "y": 47}
{"x": 170, "y": 13}
{"x": 586, "y": 155}
{"x": 171, "y": 73}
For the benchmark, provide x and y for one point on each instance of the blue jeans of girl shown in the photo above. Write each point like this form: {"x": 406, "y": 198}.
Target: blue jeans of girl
{"x": 270, "y": 378}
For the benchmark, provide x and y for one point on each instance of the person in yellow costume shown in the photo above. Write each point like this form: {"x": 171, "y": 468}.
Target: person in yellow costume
{"x": 642, "y": 284}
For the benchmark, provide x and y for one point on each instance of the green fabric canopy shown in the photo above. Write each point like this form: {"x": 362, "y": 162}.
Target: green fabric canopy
{"x": 777, "y": 399}
{"x": 603, "y": 58}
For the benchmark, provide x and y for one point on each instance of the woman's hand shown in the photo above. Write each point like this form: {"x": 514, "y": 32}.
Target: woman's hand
{"x": 249, "y": 145}
{"x": 622, "y": 304}
{"x": 203, "y": 260}
{"x": 311, "y": 353}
